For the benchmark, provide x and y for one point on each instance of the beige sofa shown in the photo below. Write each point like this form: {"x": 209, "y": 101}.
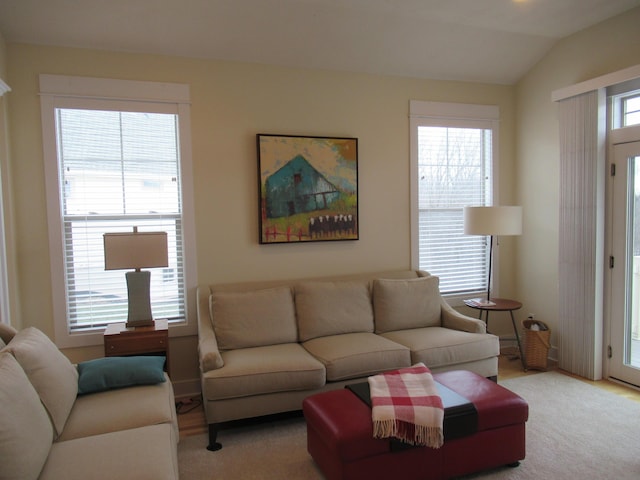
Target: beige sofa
{"x": 48, "y": 431}
{"x": 265, "y": 346}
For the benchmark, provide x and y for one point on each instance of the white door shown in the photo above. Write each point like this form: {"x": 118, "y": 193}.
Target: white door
{"x": 625, "y": 275}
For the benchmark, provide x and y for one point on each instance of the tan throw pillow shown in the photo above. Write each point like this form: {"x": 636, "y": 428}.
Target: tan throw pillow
{"x": 253, "y": 319}
{"x": 7, "y": 332}
{"x": 52, "y": 375}
{"x": 405, "y": 304}
{"x": 26, "y": 432}
{"x": 333, "y": 308}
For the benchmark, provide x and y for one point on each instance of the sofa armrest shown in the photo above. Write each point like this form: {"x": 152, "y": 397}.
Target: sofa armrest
{"x": 457, "y": 321}
{"x": 208, "y": 352}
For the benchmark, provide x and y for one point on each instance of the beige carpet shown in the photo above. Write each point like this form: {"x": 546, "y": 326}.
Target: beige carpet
{"x": 575, "y": 431}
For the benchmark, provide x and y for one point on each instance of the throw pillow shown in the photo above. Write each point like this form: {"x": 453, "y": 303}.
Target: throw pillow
{"x": 405, "y": 304}
{"x": 26, "y": 432}
{"x": 51, "y": 373}
{"x": 117, "y": 372}
{"x": 7, "y": 332}
{"x": 253, "y": 319}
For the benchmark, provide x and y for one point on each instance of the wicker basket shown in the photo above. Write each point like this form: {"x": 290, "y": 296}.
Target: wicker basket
{"x": 536, "y": 344}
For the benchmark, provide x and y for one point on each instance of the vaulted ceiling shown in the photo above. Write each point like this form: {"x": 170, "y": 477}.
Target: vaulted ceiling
{"x": 493, "y": 41}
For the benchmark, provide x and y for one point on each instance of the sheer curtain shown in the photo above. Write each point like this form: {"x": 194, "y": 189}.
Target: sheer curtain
{"x": 5, "y": 299}
{"x": 582, "y": 121}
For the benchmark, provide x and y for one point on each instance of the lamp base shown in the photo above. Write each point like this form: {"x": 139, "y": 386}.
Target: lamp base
{"x": 482, "y": 302}
{"x": 138, "y": 288}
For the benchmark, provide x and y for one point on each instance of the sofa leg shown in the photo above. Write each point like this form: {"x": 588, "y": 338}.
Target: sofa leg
{"x": 213, "y": 434}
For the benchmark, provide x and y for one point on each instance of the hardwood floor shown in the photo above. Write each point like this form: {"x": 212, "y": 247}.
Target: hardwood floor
{"x": 191, "y": 418}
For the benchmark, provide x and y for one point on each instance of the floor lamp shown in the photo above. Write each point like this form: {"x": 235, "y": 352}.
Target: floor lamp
{"x": 136, "y": 250}
{"x": 492, "y": 221}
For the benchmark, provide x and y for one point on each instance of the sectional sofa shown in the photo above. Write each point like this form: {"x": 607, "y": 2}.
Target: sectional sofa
{"x": 265, "y": 346}
{"x": 49, "y": 431}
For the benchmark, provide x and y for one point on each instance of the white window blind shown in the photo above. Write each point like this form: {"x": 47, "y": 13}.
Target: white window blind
{"x": 452, "y": 167}
{"x": 117, "y": 170}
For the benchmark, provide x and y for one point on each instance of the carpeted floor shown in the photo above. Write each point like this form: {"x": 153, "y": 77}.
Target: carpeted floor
{"x": 575, "y": 431}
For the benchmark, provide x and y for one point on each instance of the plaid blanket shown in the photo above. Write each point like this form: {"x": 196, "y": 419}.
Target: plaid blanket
{"x": 406, "y": 405}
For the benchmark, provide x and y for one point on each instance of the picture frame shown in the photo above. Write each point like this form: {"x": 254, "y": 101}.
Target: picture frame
{"x": 308, "y": 188}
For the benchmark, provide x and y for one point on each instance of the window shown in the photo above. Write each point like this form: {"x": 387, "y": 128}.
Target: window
{"x": 631, "y": 110}
{"x": 113, "y": 165}
{"x": 452, "y": 156}
{"x": 624, "y": 104}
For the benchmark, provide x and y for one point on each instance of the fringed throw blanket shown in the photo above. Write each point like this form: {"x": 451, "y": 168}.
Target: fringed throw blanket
{"x": 406, "y": 405}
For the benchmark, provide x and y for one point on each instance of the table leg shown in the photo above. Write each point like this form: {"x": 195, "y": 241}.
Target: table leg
{"x": 515, "y": 330}
{"x": 486, "y": 319}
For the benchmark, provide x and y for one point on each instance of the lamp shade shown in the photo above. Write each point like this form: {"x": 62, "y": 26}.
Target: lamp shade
{"x": 493, "y": 220}
{"x": 135, "y": 250}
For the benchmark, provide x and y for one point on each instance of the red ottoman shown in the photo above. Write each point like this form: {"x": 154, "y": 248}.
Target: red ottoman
{"x": 340, "y": 435}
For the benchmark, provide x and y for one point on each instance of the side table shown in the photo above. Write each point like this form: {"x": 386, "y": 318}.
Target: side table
{"x": 120, "y": 341}
{"x": 500, "y": 305}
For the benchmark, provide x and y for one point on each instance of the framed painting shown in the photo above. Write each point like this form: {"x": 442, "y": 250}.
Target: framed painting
{"x": 308, "y": 188}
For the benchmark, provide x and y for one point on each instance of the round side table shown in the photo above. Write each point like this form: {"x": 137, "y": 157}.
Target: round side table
{"x": 499, "y": 305}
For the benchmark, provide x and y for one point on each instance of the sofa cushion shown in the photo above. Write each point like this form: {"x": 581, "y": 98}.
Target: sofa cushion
{"x": 102, "y": 412}
{"x": 332, "y": 308}
{"x": 437, "y": 346}
{"x": 51, "y": 373}
{"x": 354, "y": 355}
{"x": 118, "y": 372}
{"x": 253, "y": 319}
{"x": 26, "y": 432}
{"x": 403, "y": 304}
{"x": 260, "y": 370}
{"x": 147, "y": 453}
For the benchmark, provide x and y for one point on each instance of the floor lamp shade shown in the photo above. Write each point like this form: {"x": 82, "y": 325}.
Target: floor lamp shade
{"x": 136, "y": 250}
{"x": 492, "y": 221}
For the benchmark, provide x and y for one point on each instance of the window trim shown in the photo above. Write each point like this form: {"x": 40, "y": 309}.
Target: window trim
{"x": 424, "y": 113}
{"x": 59, "y": 91}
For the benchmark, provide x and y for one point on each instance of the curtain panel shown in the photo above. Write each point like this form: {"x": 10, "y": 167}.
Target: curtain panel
{"x": 582, "y": 122}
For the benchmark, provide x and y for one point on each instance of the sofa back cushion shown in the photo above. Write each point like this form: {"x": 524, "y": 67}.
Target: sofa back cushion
{"x": 253, "y": 319}
{"x": 26, "y": 432}
{"x": 52, "y": 375}
{"x": 404, "y": 304}
{"x": 333, "y": 308}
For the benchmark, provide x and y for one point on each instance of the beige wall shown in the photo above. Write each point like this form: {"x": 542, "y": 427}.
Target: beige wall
{"x": 3, "y": 58}
{"x": 607, "y": 47}
{"x": 231, "y": 102}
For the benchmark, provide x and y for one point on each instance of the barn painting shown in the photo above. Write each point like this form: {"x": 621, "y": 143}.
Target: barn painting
{"x": 308, "y": 188}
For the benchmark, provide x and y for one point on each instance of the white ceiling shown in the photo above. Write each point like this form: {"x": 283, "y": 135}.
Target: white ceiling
{"x": 494, "y": 41}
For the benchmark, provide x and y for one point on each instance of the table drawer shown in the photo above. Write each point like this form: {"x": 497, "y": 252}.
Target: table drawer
{"x": 135, "y": 344}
